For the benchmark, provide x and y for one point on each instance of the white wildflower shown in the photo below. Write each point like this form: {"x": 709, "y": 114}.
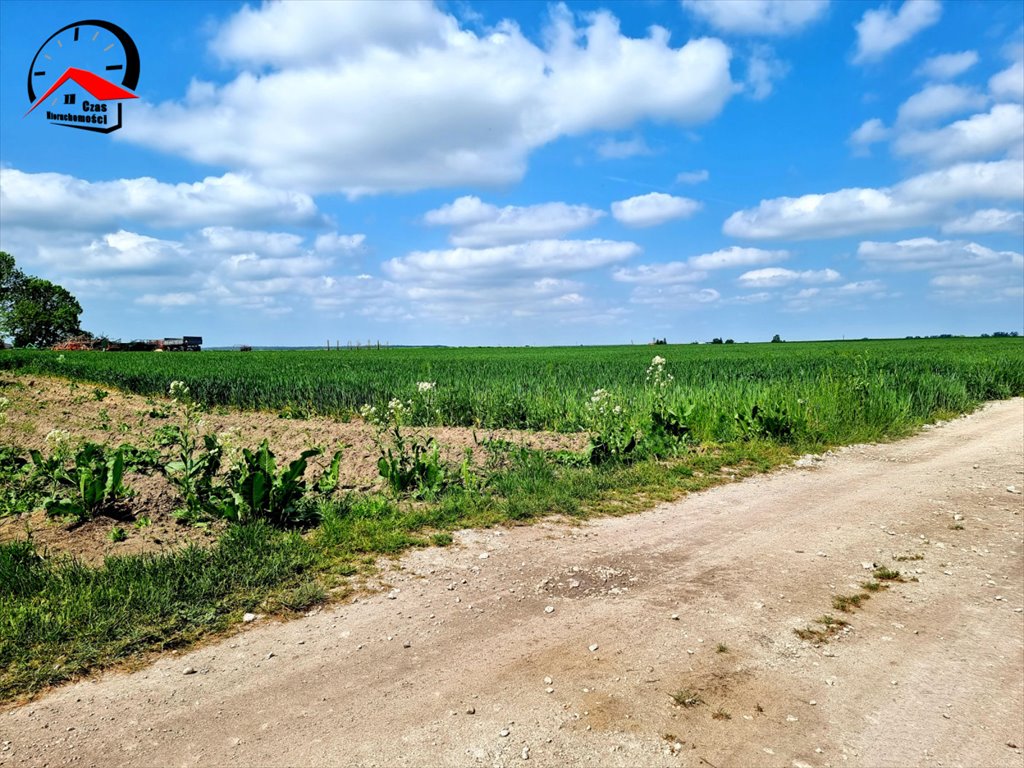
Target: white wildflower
{"x": 56, "y": 437}
{"x": 658, "y": 360}
{"x": 425, "y": 386}
{"x": 178, "y": 391}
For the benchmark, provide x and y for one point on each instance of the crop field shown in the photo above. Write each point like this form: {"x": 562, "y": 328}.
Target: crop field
{"x": 829, "y": 392}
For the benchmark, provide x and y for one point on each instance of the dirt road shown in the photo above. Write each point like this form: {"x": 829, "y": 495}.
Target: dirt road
{"x": 562, "y": 645}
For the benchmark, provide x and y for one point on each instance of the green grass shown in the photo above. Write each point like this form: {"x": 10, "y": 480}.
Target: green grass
{"x": 60, "y": 619}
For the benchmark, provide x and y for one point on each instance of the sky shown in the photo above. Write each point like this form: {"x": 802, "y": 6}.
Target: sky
{"x": 488, "y": 173}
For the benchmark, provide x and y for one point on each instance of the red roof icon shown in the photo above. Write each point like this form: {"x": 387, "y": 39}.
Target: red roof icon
{"x": 98, "y": 88}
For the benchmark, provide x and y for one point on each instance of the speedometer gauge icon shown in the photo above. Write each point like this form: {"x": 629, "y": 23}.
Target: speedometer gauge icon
{"x": 81, "y": 72}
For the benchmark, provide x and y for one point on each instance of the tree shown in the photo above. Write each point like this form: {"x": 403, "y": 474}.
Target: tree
{"x": 776, "y": 339}
{"x": 33, "y": 311}
{"x": 11, "y": 279}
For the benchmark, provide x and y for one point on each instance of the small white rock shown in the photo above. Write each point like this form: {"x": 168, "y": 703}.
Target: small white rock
{"x": 674, "y": 617}
{"x": 188, "y": 671}
{"x": 593, "y": 647}
{"x": 249, "y": 617}
{"x": 549, "y": 609}
{"x": 484, "y": 555}
{"x": 548, "y": 680}
{"x": 504, "y": 733}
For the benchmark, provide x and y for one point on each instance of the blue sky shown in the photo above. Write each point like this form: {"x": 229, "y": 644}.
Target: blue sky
{"x": 531, "y": 173}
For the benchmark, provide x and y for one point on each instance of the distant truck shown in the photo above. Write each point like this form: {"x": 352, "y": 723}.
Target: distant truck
{"x": 181, "y": 344}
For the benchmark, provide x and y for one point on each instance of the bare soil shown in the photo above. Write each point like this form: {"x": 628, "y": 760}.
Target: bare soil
{"x": 40, "y": 404}
{"x": 457, "y": 659}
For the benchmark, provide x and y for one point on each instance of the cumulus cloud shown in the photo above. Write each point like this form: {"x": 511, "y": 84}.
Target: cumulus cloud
{"x": 337, "y": 243}
{"x": 947, "y": 65}
{"x": 764, "y": 69}
{"x": 674, "y": 296}
{"x": 57, "y": 200}
{"x": 937, "y": 101}
{"x": 870, "y": 132}
{"x": 697, "y": 267}
{"x": 758, "y": 17}
{"x": 535, "y": 259}
{"x": 479, "y": 224}
{"x": 925, "y": 198}
{"x": 985, "y": 221}
{"x": 482, "y": 101}
{"x": 736, "y": 256}
{"x": 774, "y": 277}
{"x": 660, "y": 274}
{"x": 926, "y": 253}
{"x": 231, "y": 240}
{"x": 880, "y": 30}
{"x": 120, "y": 253}
{"x": 654, "y": 208}
{"x": 994, "y": 132}
{"x": 1009, "y": 83}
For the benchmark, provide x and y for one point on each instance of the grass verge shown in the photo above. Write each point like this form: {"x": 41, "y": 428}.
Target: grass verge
{"x": 61, "y": 619}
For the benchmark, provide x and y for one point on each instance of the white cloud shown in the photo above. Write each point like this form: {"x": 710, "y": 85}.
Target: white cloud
{"x": 1009, "y": 83}
{"x": 870, "y": 132}
{"x": 56, "y": 200}
{"x": 165, "y": 300}
{"x": 997, "y": 180}
{"x": 116, "y": 254}
{"x": 337, "y": 243}
{"x": 985, "y": 221}
{"x": 736, "y": 256}
{"x": 958, "y": 281}
{"x": 674, "y": 296}
{"x": 271, "y": 34}
{"x": 930, "y": 254}
{"x": 880, "y": 30}
{"x": 835, "y": 214}
{"x": 774, "y": 277}
{"x": 764, "y": 69}
{"x": 231, "y": 240}
{"x": 860, "y": 286}
{"x": 540, "y": 258}
{"x": 480, "y": 224}
{"x": 652, "y": 209}
{"x": 668, "y": 273}
{"x": 332, "y": 113}
{"x": 692, "y": 177}
{"x": 613, "y": 149}
{"x": 758, "y": 17}
{"x": 995, "y": 132}
{"x": 948, "y": 65}
{"x": 696, "y": 267}
{"x": 937, "y": 101}
{"x": 922, "y": 199}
